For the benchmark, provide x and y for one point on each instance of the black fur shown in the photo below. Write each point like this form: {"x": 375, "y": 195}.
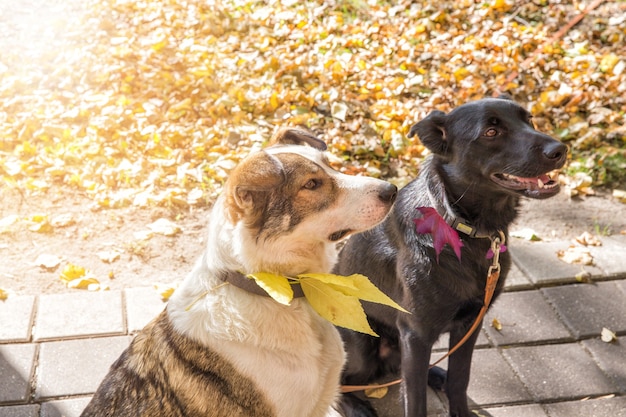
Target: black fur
{"x": 470, "y": 145}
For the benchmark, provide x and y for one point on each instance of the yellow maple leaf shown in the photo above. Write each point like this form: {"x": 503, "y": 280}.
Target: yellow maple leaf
{"x": 71, "y": 272}
{"x": 333, "y": 305}
{"x": 3, "y": 294}
{"x": 276, "y": 286}
{"x": 358, "y": 286}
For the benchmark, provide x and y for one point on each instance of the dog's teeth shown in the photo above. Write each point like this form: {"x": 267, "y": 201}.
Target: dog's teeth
{"x": 540, "y": 183}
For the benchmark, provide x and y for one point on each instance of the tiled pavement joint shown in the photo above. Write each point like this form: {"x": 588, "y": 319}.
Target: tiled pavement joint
{"x": 546, "y": 360}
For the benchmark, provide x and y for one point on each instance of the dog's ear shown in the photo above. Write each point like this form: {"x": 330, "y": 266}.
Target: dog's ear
{"x": 432, "y": 132}
{"x": 248, "y": 187}
{"x": 290, "y": 135}
{"x": 505, "y": 96}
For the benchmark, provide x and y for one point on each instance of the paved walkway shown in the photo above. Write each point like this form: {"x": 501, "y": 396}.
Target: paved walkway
{"x": 546, "y": 361}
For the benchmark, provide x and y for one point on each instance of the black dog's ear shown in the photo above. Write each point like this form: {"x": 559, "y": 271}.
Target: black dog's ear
{"x": 431, "y": 132}
{"x": 505, "y": 96}
{"x": 290, "y": 135}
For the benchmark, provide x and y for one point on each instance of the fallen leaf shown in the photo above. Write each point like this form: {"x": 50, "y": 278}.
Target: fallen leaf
{"x": 495, "y": 323}
{"x": 607, "y": 336}
{"x": 584, "y": 277}
{"x": 164, "y": 227}
{"x": 165, "y": 290}
{"x": 526, "y": 234}
{"x": 576, "y": 255}
{"x": 7, "y": 222}
{"x": 40, "y": 224}
{"x": 377, "y": 393}
{"x": 442, "y": 233}
{"x": 71, "y": 272}
{"x": 3, "y": 294}
{"x": 48, "y": 261}
{"x": 109, "y": 256}
{"x": 63, "y": 220}
{"x": 587, "y": 239}
{"x": 620, "y": 195}
{"x": 84, "y": 283}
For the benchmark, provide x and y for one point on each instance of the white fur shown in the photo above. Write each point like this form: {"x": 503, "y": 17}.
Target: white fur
{"x": 293, "y": 355}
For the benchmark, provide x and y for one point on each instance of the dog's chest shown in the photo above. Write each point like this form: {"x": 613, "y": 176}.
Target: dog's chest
{"x": 295, "y": 354}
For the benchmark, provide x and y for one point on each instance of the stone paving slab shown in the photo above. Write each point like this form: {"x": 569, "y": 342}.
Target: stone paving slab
{"x": 611, "y": 358}
{"x": 525, "y": 317}
{"x": 558, "y": 372}
{"x": 16, "y": 317}
{"x": 607, "y": 407}
{"x": 538, "y": 261}
{"x": 79, "y": 314}
{"x": 142, "y": 305}
{"x": 528, "y": 410}
{"x": 64, "y": 408}
{"x": 516, "y": 280}
{"x": 587, "y": 308}
{"x": 16, "y": 368}
{"x": 86, "y": 360}
{"x": 493, "y": 381}
{"x": 390, "y": 404}
{"x": 29, "y": 410}
{"x": 611, "y": 255}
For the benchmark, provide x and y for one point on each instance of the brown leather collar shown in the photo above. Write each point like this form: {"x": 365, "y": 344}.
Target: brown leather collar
{"x": 239, "y": 280}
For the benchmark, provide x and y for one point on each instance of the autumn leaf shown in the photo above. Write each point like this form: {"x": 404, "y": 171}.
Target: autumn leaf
{"x": 164, "y": 227}
{"x": 276, "y": 286}
{"x": 3, "y": 294}
{"x": 608, "y": 336}
{"x": 336, "y": 307}
{"x": 335, "y": 297}
{"x": 47, "y": 261}
{"x": 432, "y": 223}
{"x": 377, "y": 393}
{"x": 165, "y": 291}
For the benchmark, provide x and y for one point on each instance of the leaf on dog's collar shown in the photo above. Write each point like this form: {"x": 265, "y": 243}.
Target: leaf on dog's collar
{"x": 442, "y": 233}
{"x": 334, "y": 297}
{"x": 276, "y": 286}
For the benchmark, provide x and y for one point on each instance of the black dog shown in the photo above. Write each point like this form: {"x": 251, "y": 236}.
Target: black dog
{"x": 486, "y": 155}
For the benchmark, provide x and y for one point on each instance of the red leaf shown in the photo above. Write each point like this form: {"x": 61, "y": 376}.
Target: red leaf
{"x": 431, "y": 222}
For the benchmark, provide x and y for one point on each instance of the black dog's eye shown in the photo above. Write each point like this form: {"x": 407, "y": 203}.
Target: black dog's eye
{"x": 312, "y": 184}
{"x": 491, "y": 132}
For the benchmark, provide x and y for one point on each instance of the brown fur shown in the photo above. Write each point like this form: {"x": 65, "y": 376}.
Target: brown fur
{"x": 164, "y": 373}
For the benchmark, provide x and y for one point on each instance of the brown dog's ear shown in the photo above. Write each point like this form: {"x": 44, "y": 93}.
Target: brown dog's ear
{"x": 432, "y": 133}
{"x": 290, "y": 135}
{"x": 248, "y": 187}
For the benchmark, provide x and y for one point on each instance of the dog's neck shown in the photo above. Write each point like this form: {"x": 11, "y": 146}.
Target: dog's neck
{"x": 465, "y": 208}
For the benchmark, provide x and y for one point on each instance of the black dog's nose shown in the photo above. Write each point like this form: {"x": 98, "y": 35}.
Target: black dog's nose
{"x": 555, "y": 151}
{"x": 389, "y": 193}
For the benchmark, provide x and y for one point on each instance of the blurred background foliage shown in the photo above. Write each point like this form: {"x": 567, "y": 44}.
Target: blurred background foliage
{"x": 153, "y": 102}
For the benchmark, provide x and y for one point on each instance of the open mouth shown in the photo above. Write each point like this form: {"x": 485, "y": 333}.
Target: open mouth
{"x": 534, "y": 187}
{"x": 339, "y": 235}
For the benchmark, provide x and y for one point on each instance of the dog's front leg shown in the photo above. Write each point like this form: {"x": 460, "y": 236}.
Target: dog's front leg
{"x": 459, "y": 365}
{"x": 415, "y": 353}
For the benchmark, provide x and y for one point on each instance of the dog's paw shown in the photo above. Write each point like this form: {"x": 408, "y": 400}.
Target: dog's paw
{"x": 437, "y": 378}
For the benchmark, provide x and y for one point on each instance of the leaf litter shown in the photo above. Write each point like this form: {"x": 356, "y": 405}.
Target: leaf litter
{"x": 153, "y": 103}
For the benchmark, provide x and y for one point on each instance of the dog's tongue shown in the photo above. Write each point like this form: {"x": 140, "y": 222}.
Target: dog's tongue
{"x": 540, "y": 181}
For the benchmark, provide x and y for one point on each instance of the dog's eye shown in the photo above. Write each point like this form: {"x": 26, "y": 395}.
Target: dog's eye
{"x": 491, "y": 132}
{"x": 312, "y": 184}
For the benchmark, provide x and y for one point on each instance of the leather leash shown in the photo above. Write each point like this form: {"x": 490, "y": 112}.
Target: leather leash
{"x": 493, "y": 274}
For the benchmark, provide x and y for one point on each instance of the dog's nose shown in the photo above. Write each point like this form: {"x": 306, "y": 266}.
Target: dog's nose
{"x": 388, "y": 193}
{"x": 555, "y": 151}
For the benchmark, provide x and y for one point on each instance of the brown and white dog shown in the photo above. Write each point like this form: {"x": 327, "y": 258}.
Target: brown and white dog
{"x": 226, "y": 349}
